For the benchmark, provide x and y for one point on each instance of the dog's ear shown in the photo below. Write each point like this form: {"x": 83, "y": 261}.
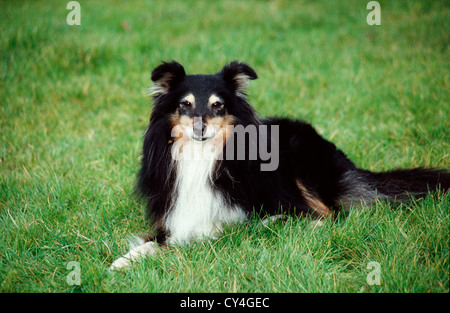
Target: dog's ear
{"x": 239, "y": 76}
{"x": 166, "y": 76}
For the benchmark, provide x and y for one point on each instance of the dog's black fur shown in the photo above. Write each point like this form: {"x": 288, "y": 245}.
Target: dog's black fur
{"x": 313, "y": 176}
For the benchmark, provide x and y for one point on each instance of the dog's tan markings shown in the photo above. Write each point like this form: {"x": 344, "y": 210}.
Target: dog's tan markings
{"x": 175, "y": 119}
{"x": 214, "y": 99}
{"x": 221, "y": 121}
{"x": 224, "y": 125}
{"x": 178, "y": 121}
{"x": 313, "y": 202}
{"x": 190, "y": 98}
{"x": 176, "y": 129}
{"x": 227, "y": 125}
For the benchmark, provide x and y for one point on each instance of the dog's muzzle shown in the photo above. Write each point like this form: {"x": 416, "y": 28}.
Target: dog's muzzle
{"x": 199, "y": 130}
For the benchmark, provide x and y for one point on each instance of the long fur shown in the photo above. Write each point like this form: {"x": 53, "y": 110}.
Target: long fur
{"x": 191, "y": 199}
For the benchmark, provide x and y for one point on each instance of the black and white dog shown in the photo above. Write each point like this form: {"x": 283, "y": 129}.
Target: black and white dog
{"x": 210, "y": 160}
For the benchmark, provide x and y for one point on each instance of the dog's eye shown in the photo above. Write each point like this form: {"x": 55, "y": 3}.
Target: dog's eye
{"x": 185, "y": 104}
{"x": 217, "y": 105}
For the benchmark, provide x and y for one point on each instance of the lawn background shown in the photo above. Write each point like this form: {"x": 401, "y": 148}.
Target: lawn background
{"x": 74, "y": 107}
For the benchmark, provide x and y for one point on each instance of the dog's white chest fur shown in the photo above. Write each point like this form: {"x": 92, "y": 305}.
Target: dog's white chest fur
{"x": 198, "y": 211}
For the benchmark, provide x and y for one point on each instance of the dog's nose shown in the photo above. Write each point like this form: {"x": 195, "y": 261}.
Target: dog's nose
{"x": 199, "y": 129}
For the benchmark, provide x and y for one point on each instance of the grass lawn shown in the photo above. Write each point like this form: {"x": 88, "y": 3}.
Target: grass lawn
{"x": 74, "y": 109}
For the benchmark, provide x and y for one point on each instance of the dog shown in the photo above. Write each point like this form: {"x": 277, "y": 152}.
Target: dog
{"x": 209, "y": 160}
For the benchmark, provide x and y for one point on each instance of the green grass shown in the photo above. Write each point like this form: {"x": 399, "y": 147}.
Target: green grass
{"x": 74, "y": 109}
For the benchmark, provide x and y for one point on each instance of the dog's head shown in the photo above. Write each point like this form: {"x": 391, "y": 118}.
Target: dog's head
{"x": 202, "y": 106}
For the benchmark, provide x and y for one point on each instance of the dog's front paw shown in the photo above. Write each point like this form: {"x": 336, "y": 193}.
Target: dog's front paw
{"x": 148, "y": 248}
{"x": 120, "y": 263}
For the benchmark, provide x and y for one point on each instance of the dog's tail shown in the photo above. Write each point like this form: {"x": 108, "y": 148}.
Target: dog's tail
{"x": 362, "y": 186}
